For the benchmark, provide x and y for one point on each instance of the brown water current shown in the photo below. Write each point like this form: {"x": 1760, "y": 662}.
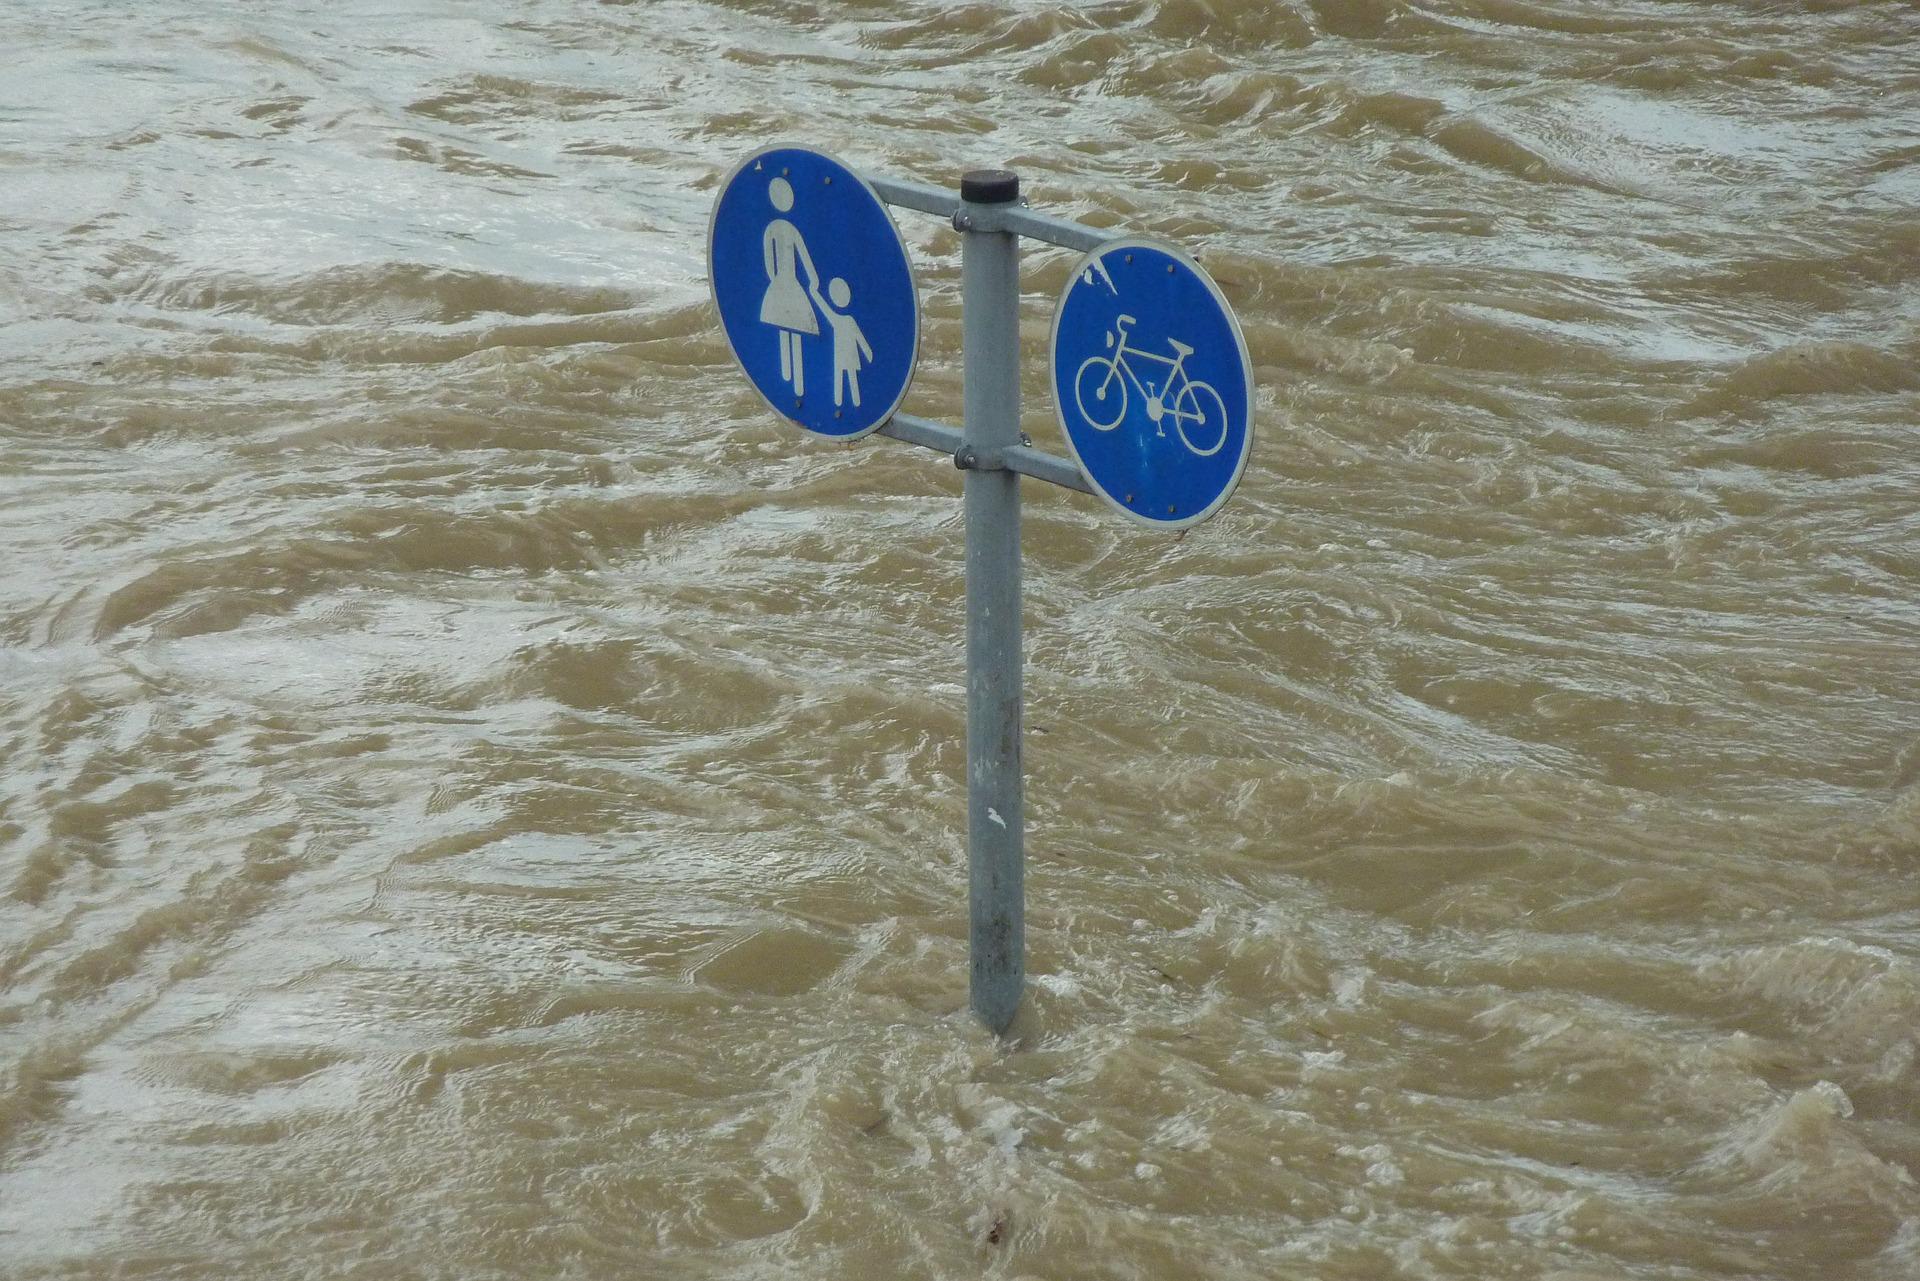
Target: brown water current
{"x": 481, "y": 799}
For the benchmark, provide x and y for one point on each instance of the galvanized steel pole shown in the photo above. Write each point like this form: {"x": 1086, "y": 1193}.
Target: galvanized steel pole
{"x": 996, "y": 855}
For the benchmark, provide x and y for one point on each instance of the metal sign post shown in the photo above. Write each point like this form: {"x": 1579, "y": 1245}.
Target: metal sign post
{"x": 996, "y": 806}
{"x": 774, "y": 294}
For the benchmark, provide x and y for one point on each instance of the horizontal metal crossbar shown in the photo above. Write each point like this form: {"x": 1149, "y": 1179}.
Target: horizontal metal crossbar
{"x": 924, "y": 432}
{"x": 1018, "y": 219}
{"x": 1025, "y": 459}
{"x": 1041, "y": 465}
{"x": 1021, "y": 221}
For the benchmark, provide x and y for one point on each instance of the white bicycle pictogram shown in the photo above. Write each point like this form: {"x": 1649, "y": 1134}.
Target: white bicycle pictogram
{"x": 1194, "y": 405}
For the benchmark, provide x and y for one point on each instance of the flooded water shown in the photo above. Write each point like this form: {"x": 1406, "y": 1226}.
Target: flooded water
{"x": 482, "y": 799}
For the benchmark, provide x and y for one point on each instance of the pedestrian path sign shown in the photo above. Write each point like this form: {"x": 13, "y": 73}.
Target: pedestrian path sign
{"x": 1152, "y": 383}
{"x": 815, "y": 292}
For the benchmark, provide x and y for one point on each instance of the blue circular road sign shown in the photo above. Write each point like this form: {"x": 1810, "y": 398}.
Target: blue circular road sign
{"x": 814, "y": 290}
{"x": 1152, "y": 383}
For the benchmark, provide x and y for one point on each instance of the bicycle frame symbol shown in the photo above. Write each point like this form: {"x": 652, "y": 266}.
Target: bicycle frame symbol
{"x": 1199, "y": 414}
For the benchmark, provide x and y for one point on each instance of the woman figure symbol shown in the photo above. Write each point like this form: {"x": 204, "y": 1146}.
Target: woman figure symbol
{"x": 785, "y": 304}
{"x": 789, "y": 306}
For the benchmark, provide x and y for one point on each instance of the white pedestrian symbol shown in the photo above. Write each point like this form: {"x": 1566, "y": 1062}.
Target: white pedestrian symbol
{"x": 789, "y": 306}
{"x": 785, "y": 305}
{"x": 850, "y": 349}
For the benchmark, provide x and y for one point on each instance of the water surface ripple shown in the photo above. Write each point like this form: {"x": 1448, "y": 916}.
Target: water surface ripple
{"x": 482, "y": 800}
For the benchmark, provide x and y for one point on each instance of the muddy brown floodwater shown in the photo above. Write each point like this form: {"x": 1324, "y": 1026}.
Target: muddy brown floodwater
{"x": 481, "y": 799}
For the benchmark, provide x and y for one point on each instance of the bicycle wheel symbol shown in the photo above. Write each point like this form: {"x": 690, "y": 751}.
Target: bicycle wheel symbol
{"x": 1102, "y": 398}
{"x": 1200, "y": 407}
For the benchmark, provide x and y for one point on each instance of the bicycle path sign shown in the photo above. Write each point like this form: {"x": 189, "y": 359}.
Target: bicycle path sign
{"x": 1152, "y": 383}
{"x": 814, "y": 289}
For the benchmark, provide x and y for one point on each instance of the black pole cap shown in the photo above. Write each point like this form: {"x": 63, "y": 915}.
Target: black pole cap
{"x": 990, "y": 187}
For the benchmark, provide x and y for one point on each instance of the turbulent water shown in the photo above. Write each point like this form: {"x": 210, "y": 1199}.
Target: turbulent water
{"x": 481, "y": 798}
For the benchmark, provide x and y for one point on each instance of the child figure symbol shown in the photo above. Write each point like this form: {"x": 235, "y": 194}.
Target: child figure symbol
{"x": 851, "y": 350}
